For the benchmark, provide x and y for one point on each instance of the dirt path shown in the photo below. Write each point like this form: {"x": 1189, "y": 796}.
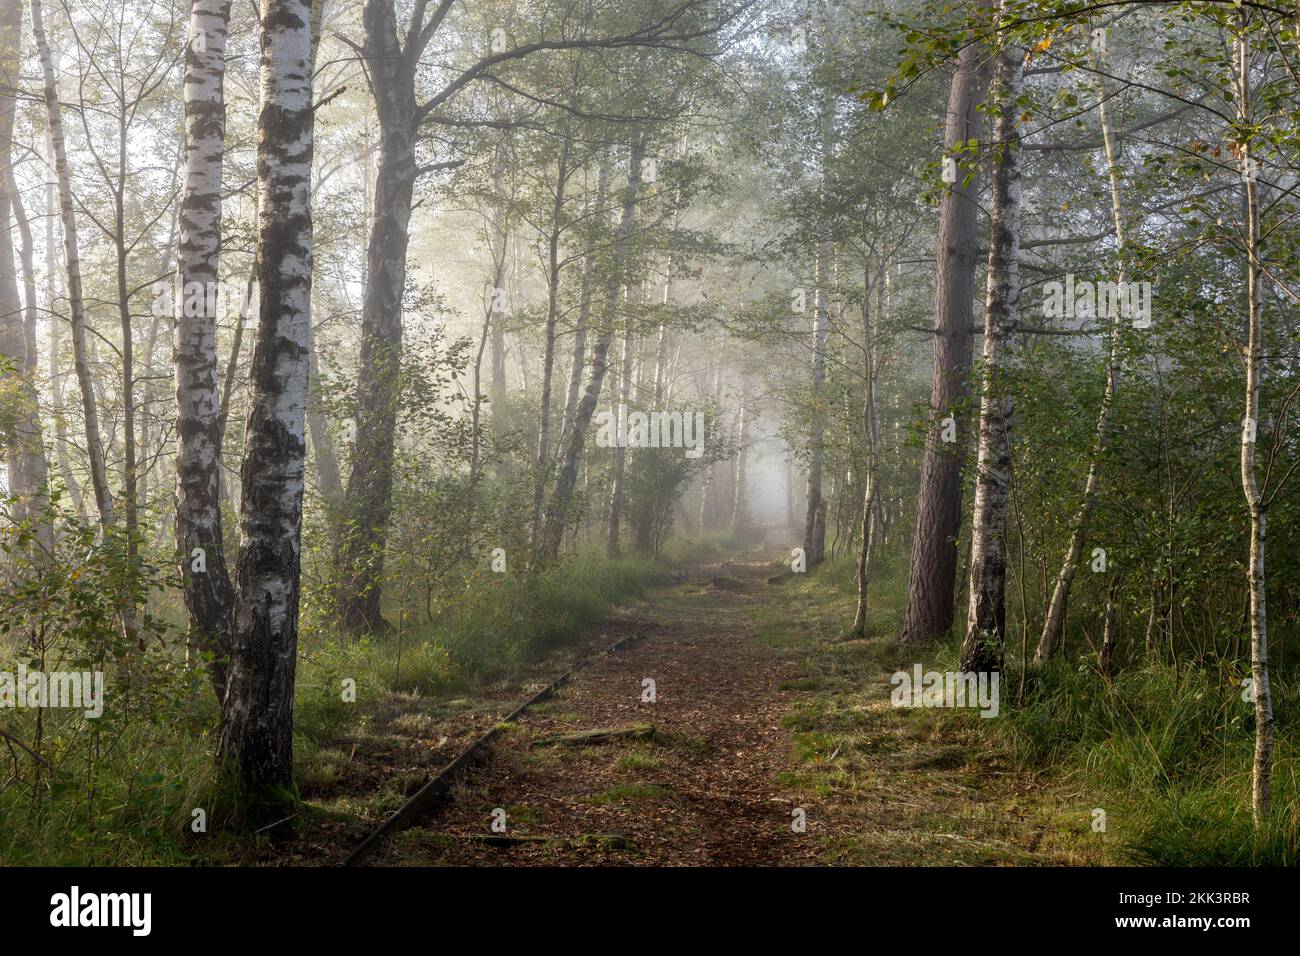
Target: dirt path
{"x": 750, "y": 733}
{"x": 703, "y": 790}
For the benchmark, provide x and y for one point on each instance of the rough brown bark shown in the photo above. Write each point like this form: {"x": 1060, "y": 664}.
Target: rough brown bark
{"x": 933, "y": 568}
{"x": 370, "y": 483}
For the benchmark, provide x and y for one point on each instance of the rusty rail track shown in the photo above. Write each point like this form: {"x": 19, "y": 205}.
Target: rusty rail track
{"x": 436, "y": 790}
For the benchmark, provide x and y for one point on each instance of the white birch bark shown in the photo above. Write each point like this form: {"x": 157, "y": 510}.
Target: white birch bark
{"x": 72, "y": 264}
{"x": 1054, "y": 622}
{"x": 556, "y": 517}
{"x": 1262, "y": 769}
{"x": 986, "y": 613}
{"x": 257, "y": 720}
{"x": 209, "y": 595}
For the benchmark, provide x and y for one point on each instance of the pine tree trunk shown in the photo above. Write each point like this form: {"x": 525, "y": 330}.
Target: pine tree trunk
{"x": 932, "y": 577}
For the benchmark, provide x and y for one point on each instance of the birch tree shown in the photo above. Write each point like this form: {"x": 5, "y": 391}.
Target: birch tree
{"x": 72, "y": 265}
{"x": 986, "y": 620}
{"x": 257, "y": 719}
{"x": 209, "y": 595}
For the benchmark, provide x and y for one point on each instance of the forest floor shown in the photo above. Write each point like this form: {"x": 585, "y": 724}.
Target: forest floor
{"x": 762, "y": 719}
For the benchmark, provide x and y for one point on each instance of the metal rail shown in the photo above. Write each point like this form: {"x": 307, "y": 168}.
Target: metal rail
{"x": 435, "y": 791}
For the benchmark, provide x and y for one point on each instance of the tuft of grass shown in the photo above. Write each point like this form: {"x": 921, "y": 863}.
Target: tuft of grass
{"x": 635, "y": 761}
{"x": 625, "y": 792}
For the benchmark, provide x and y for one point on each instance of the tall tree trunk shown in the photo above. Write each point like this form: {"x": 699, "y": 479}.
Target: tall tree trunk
{"x": 28, "y": 472}
{"x": 32, "y": 462}
{"x": 257, "y": 720}
{"x": 814, "y": 543}
{"x": 613, "y": 545}
{"x": 1054, "y": 621}
{"x": 491, "y": 324}
{"x": 1262, "y": 770}
{"x": 986, "y": 618}
{"x": 871, "y": 439}
{"x": 72, "y": 263}
{"x": 933, "y": 567}
{"x": 553, "y": 267}
{"x": 708, "y": 487}
{"x": 370, "y": 483}
{"x": 740, "y": 507}
{"x": 205, "y": 578}
{"x": 61, "y": 440}
{"x": 556, "y": 517}
{"x": 584, "y": 309}
{"x": 328, "y": 475}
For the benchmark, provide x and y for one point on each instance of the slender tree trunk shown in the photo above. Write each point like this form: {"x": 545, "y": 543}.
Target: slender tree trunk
{"x": 740, "y": 507}
{"x": 32, "y": 463}
{"x": 257, "y": 720}
{"x": 491, "y": 325}
{"x": 815, "y": 519}
{"x": 613, "y": 546}
{"x": 1054, "y": 621}
{"x": 61, "y": 440}
{"x": 1108, "y": 630}
{"x": 552, "y": 318}
{"x": 72, "y": 263}
{"x": 328, "y": 475}
{"x": 584, "y": 310}
{"x": 322, "y": 445}
{"x": 871, "y": 438}
{"x": 209, "y": 594}
{"x": 986, "y": 620}
{"x": 555, "y": 519}
{"x": 130, "y": 455}
{"x": 933, "y": 567}
{"x": 1053, "y": 624}
{"x": 708, "y": 490}
{"x": 1262, "y": 771}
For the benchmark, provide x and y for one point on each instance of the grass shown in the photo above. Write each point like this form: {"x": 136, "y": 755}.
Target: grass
{"x": 625, "y": 792}
{"x": 1166, "y": 753}
{"x": 154, "y": 767}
